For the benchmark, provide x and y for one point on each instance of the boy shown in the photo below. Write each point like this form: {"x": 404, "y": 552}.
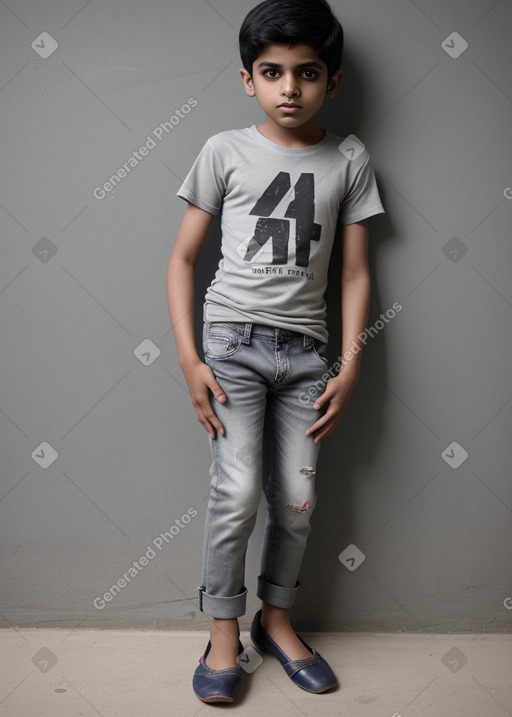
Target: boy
{"x": 281, "y": 188}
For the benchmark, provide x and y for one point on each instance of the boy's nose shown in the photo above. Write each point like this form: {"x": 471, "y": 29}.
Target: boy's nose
{"x": 290, "y": 92}
{"x": 289, "y": 87}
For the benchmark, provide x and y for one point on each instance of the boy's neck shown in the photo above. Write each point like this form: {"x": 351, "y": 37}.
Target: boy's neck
{"x": 292, "y": 137}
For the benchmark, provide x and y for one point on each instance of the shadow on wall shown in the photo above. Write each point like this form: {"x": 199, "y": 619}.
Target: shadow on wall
{"x": 357, "y": 437}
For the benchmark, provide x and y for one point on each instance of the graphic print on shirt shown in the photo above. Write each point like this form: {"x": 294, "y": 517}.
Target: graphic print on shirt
{"x": 277, "y": 230}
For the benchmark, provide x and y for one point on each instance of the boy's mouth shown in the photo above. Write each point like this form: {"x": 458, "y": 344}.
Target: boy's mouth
{"x": 289, "y": 108}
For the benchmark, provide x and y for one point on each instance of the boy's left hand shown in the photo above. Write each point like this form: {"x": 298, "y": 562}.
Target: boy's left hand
{"x": 336, "y": 396}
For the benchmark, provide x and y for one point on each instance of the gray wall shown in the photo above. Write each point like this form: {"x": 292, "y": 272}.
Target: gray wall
{"x": 101, "y": 450}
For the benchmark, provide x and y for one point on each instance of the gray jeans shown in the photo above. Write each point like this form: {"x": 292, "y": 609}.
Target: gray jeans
{"x": 266, "y": 373}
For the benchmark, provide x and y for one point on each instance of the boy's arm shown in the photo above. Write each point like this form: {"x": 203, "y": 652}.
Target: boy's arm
{"x": 355, "y": 303}
{"x": 180, "y": 298}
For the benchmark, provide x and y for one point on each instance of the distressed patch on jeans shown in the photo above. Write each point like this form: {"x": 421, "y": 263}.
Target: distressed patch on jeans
{"x": 300, "y": 508}
{"x": 308, "y": 471}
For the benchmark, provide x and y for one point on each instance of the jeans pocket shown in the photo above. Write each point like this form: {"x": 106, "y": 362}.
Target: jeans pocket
{"x": 220, "y": 341}
{"x": 319, "y": 348}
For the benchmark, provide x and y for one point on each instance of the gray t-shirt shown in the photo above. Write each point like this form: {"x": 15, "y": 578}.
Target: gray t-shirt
{"x": 280, "y": 208}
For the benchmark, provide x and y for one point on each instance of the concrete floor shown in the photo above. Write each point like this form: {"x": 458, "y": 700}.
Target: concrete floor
{"x": 120, "y": 673}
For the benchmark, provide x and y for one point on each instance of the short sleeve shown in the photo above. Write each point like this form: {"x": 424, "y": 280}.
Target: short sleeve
{"x": 362, "y": 199}
{"x": 204, "y": 184}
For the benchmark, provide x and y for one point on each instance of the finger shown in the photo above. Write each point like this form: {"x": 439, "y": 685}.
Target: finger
{"x": 220, "y": 395}
{"x": 213, "y": 420}
{"x": 210, "y": 430}
{"x": 205, "y": 424}
{"x": 217, "y": 424}
{"x": 317, "y": 425}
{"x": 331, "y": 417}
{"x": 321, "y": 401}
{"x": 324, "y": 398}
{"x": 323, "y": 434}
{"x": 322, "y": 430}
{"x": 216, "y": 390}
{"x": 209, "y": 426}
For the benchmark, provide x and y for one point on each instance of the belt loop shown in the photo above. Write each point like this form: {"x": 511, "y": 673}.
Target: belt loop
{"x": 308, "y": 341}
{"x": 247, "y": 334}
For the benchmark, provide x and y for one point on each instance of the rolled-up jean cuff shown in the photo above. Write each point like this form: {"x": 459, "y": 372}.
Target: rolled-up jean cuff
{"x": 222, "y": 607}
{"x": 275, "y": 594}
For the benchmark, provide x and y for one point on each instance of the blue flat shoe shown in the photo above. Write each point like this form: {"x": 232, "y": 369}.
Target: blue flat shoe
{"x": 312, "y": 674}
{"x": 216, "y": 685}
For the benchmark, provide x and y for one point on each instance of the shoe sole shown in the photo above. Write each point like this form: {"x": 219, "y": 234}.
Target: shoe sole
{"x": 214, "y": 698}
{"x": 317, "y": 692}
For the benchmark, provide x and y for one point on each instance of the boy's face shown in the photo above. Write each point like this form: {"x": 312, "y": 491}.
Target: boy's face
{"x": 290, "y": 83}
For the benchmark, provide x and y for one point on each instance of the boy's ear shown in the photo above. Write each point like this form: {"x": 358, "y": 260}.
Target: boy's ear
{"x": 333, "y": 84}
{"x": 247, "y": 82}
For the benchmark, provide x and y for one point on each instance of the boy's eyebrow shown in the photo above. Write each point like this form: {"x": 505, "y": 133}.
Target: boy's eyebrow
{"x": 276, "y": 65}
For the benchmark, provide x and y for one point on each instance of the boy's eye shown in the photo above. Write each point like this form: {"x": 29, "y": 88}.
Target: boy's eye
{"x": 309, "y": 74}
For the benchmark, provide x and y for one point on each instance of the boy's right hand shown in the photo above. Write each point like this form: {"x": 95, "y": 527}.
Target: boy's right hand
{"x": 200, "y": 379}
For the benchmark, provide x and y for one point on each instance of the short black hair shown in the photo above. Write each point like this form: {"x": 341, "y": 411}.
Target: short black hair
{"x": 290, "y": 22}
